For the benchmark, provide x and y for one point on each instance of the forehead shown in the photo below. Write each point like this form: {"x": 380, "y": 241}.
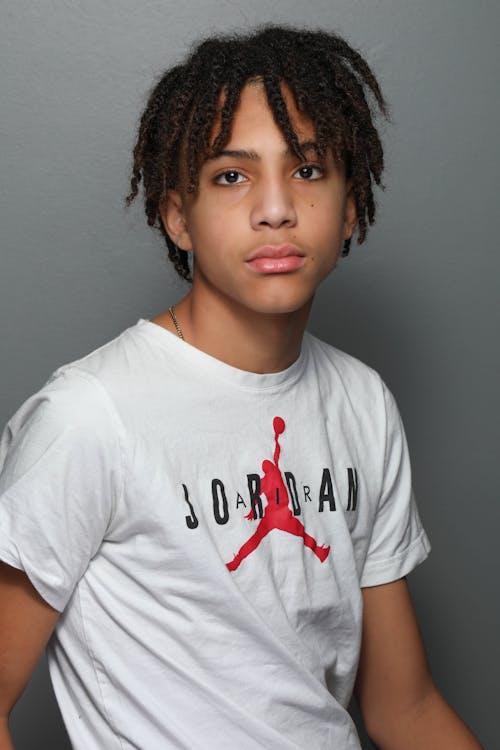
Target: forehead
{"x": 253, "y": 111}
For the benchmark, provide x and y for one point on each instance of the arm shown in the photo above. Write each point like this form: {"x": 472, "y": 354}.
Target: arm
{"x": 399, "y": 701}
{"x": 5, "y": 738}
{"x": 26, "y": 623}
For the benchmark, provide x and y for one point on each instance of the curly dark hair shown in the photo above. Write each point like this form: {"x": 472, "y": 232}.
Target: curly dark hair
{"x": 328, "y": 79}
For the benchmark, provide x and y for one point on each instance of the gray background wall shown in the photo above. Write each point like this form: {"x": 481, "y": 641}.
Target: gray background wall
{"x": 419, "y": 301}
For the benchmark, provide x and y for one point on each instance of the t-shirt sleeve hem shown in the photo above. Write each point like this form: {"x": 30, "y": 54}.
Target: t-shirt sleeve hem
{"x": 10, "y": 555}
{"x": 378, "y": 572}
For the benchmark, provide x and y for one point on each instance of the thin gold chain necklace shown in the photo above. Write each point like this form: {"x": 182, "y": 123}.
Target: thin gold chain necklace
{"x": 176, "y": 323}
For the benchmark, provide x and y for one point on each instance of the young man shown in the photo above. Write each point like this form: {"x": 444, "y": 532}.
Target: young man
{"x": 212, "y": 514}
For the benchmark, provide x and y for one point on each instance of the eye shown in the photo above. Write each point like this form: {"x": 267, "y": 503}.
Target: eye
{"x": 306, "y": 169}
{"x": 231, "y": 173}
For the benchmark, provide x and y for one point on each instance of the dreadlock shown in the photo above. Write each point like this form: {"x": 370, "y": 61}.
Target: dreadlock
{"x": 327, "y": 78}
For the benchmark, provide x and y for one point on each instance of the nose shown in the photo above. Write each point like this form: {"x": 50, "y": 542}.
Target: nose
{"x": 273, "y": 204}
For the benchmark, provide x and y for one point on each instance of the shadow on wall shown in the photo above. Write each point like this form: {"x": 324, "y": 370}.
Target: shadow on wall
{"x": 45, "y": 726}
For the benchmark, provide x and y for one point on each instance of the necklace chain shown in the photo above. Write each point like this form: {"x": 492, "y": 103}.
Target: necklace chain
{"x": 176, "y": 322}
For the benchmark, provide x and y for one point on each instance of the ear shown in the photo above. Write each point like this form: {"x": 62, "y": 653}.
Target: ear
{"x": 350, "y": 213}
{"x": 173, "y": 216}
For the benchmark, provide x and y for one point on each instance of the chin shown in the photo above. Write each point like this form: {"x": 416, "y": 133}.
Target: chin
{"x": 282, "y": 304}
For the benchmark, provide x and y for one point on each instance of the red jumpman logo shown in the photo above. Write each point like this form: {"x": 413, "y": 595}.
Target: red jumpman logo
{"x": 277, "y": 514}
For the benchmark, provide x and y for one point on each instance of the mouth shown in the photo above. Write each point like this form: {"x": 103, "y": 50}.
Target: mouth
{"x": 276, "y": 259}
{"x": 275, "y": 251}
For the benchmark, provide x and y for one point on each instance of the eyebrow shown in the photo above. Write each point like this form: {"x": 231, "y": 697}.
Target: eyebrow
{"x": 254, "y": 156}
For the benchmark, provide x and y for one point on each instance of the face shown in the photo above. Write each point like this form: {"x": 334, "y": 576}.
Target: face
{"x": 274, "y": 198}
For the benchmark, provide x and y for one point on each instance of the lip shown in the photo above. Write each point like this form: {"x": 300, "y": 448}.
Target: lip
{"x": 267, "y": 265}
{"x": 274, "y": 251}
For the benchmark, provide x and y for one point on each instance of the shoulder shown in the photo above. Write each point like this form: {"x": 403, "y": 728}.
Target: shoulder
{"x": 67, "y": 423}
{"x": 73, "y": 398}
{"x": 70, "y": 405}
{"x": 339, "y": 369}
{"x": 106, "y": 362}
{"x": 83, "y": 390}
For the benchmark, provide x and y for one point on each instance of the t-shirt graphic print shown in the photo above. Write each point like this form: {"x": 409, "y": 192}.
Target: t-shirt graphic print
{"x": 277, "y": 514}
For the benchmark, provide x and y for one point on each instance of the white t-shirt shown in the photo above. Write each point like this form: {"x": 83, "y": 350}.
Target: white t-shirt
{"x": 205, "y": 532}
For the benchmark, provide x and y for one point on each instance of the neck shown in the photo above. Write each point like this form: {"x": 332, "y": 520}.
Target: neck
{"x": 252, "y": 341}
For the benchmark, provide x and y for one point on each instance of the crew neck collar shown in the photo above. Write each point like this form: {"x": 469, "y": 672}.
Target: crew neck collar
{"x": 200, "y": 359}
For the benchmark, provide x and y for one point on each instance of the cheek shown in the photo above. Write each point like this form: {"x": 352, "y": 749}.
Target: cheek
{"x": 326, "y": 209}
{"x": 221, "y": 229}
{"x": 327, "y": 225}
{"x": 334, "y": 230}
{"x": 205, "y": 228}
{"x": 213, "y": 245}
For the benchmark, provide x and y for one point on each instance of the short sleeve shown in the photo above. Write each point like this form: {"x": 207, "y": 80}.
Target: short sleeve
{"x": 398, "y": 541}
{"x": 60, "y": 481}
